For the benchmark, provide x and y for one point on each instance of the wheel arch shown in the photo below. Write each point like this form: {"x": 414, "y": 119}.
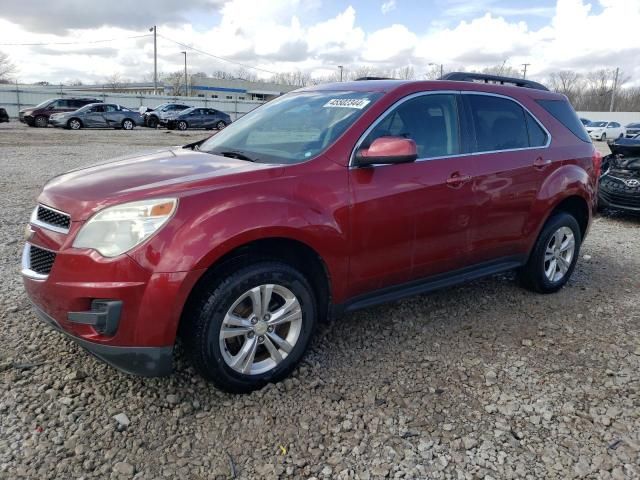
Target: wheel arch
{"x": 293, "y": 252}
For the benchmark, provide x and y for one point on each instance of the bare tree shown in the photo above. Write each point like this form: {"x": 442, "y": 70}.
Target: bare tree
{"x": 6, "y": 68}
{"x": 568, "y": 83}
{"x": 175, "y": 80}
{"x": 113, "y": 82}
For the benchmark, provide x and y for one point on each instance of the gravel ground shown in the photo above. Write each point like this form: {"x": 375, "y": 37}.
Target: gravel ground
{"x": 481, "y": 381}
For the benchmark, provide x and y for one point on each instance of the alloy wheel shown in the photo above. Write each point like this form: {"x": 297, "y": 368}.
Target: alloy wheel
{"x": 260, "y": 329}
{"x": 559, "y": 254}
{"x": 220, "y": 125}
{"x": 182, "y": 125}
{"x": 127, "y": 125}
{"x": 74, "y": 124}
{"x": 41, "y": 121}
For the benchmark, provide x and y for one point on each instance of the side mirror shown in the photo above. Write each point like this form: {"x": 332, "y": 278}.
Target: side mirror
{"x": 387, "y": 150}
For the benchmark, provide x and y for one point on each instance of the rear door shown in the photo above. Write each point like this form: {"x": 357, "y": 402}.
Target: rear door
{"x": 112, "y": 115}
{"x": 196, "y": 118}
{"x": 511, "y": 160}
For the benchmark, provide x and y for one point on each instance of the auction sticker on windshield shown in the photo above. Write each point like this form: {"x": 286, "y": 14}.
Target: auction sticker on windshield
{"x": 358, "y": 103}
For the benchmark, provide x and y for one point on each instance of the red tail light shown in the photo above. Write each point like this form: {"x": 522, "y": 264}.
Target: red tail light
{"x": 597, "y": 162}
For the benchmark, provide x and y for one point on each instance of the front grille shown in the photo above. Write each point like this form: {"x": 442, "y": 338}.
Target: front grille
{"x": 53, "y": 217}
{"x": 41, "y": 260}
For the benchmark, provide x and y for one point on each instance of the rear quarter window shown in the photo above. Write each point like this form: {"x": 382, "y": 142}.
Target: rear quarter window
{"x": 564, "y": 113}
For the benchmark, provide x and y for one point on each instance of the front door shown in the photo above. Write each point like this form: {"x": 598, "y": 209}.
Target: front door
{"x": 412, "y": 220}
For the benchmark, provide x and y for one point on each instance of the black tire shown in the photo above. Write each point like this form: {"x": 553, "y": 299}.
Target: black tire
{"x": 152, "y": 121}
{"x": 206, "y": 312}
{"x": 603, "y": 138}
{"x": 128, "y": 124}
{"x": 220, "y": 125}
{"x": 532, "y": 276}
{"x": 40, "y": 121}
{"x": 74, "y": 124}
{"x": 182, "y": 125}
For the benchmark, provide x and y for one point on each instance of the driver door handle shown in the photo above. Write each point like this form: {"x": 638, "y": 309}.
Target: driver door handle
{"x": 541, "y": 163}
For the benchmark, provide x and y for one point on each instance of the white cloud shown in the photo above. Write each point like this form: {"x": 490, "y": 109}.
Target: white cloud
{"x": 388, "y": 6}
{"x": 276, "y": 36}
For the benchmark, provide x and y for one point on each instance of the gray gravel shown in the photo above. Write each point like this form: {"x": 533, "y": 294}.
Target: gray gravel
{"x": 481, "y": 381}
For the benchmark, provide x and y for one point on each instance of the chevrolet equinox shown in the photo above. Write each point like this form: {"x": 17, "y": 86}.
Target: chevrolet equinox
{"x": 326, "y": 200}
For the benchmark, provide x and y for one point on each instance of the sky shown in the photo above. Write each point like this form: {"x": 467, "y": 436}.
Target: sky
{"x": 316, "y": 36}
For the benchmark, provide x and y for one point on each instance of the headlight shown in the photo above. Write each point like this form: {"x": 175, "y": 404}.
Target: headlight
{"x": 118, "y": 229}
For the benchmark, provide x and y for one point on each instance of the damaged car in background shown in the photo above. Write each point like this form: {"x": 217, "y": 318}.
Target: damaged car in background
{"x": 620, "y": 179}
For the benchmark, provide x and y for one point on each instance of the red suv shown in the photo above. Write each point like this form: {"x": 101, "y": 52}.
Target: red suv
{"x": 323, "y": 201}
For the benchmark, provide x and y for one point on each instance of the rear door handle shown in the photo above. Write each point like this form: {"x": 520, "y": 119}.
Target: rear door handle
{"x": 541, "y": 163}
{"x": 457, "y": 180}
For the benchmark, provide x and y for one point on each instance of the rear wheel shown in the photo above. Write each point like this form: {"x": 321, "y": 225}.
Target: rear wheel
{"x": 251, "y": 328}
{"x": 182, "y": 125}
{"x": 554, "y": 255}
{"x": 74, "y": 124}
{"x": 41, "y": 121}
{"x": 128, "y": 124}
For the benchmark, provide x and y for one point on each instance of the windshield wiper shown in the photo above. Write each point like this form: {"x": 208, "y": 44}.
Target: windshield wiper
{"x": 237, "y": 154}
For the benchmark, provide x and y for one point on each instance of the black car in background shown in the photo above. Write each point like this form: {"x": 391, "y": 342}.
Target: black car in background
{"x": 4, "y": 116}
{"x": 198, "y": 117}
{"x": 38, "y": 116}
{"x": 620, "y": 179}
{"x": 633, "y": 129}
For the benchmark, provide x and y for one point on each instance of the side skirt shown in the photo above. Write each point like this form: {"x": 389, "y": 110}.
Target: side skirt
{"x": 429, "y": 284}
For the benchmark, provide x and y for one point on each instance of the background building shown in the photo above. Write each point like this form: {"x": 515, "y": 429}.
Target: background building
{"x": 236, "y": 90}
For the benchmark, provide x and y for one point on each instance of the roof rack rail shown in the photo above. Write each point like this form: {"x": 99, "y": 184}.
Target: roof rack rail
{"x": 486, "y": 78}
{"x": 374, "y": 78}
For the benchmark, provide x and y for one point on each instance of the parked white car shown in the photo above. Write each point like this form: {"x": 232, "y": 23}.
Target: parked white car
{"x": 605, "y": 130}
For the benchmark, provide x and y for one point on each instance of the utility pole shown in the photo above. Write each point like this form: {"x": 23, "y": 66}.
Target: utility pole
{"x": 524, "y": 73}
{"x": 155, "y": 59}
{"x": 186, "y": 79}
{"x": 340, "y": 67}
{"x": 613, "y": 92}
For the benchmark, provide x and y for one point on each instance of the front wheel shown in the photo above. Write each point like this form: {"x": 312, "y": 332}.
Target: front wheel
{"x": 74, "y": 124}
{"x": 182, "y": 125}
{"x": 152, "y": 121}
{"x": 220, "y": 125}
{"x": 554, "y": 255}
{"x": 127, "y": 124}
{"x": 251, "y": 328}
{"x": 41, "y": 121}
{"x": 603, "y": 138}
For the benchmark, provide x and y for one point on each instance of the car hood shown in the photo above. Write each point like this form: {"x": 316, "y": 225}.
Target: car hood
{"x": 172, "y": 172}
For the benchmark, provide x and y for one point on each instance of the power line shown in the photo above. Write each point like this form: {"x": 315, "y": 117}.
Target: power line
{"x": 82, "y": 42}
{"x": 184, "y": 45}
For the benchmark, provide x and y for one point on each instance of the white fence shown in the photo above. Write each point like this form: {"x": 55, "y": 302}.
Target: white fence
{"x": 15, "y": 97}
{"x": 623, "y": 118}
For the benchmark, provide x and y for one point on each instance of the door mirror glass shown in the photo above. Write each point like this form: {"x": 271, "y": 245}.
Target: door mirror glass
{"x": 388, "y": 150}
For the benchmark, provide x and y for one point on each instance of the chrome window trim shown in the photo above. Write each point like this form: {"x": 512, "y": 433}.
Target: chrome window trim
{"x": 26, "y": 264}
{"x": 456, "y": 155}
{"x": 34, "y": 219}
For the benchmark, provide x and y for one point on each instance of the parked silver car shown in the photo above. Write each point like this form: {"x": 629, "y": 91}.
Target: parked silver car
{"x": 98, "y": 115}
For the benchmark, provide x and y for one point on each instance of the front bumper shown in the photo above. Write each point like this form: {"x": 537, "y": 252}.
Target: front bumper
{"x": 596, "y": 136}
{"x": 58, "y": 122}
{"x": 142, "y": 361}
{"x": 141, "y": 340}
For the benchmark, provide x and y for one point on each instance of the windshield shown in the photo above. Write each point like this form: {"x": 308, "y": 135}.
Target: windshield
{"x": 293, "y": 128}
{"x": 597, "y": 124}
{"x": 44, "y": 104}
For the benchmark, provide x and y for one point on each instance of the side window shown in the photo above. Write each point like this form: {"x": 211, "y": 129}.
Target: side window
{"x": 60, "y": 104}
{"x": 99, "y": 108}
{"x": 110, "y": 108}
{"x": 537, "y": 136}
{"x": 429, "y": 120}
{"x": 499, "y": 123}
